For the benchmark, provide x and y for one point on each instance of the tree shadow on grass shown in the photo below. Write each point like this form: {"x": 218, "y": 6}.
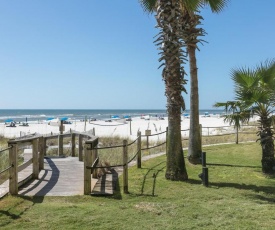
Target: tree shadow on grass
{"x": 150, "y": 179}
{"x": 251, "y": 187}
{"x": 230, "y": 165}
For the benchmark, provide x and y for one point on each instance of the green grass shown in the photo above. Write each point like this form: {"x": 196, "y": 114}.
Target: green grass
{"x": 239, "y": 196}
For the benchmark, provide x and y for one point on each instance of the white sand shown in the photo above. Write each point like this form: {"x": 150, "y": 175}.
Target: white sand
{"x": 103, "y": 128}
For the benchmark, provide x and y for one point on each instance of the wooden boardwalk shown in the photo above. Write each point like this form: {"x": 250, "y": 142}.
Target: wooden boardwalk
{"x": 61, "y": 177}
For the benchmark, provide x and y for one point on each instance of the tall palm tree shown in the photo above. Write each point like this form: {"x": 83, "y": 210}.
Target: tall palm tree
{"x": 189, "y": 20}
{"x": 170, "y": 44}
{"x": 255, "y": 91}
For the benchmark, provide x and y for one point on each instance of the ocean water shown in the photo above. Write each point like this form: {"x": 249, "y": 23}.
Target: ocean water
{"x": 20, "y": 115}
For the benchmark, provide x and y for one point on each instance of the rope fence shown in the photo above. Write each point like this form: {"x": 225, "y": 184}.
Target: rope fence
{"x": 3, "y": 150}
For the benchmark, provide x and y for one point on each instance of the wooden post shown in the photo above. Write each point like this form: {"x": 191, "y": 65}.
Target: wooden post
{"x": 73, "y": 144}
{"x": 147, "y": 133}
{"x": 130, "y": 126}
{"x": 60, "y": 145}
{"x": 94, "y": 131}
{"x": 139, "y": 150}
{"x": 80, "y": 147}
{"x": 41, "y": 150}
{"x": 125, "y": 166}
{"x": 61, "y": 127}
{"x": 35, "y": 160}
{"x": 13, "y": 161}
{"x": 94, "y": 156}
{"x": 45, "y": 146}
{"x": 85, "y": 124}
{"x": 89, "y": 146}
{"x": 87, "y": 172}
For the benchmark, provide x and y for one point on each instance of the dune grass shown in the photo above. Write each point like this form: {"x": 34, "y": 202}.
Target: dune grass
{"x": 239, "y": 196}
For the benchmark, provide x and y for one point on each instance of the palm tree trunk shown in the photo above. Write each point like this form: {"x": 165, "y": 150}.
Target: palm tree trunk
{"x": 194, "y": 148}
{"x": 170, "y": 44}
{"x": 175, "y": 166}
{"x": 266, "y": 134}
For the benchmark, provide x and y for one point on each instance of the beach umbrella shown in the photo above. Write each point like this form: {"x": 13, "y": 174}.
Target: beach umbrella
{"x": 9, "y": 120}
{"x": 63, "y": 118}
{"x": 50, "y": 118}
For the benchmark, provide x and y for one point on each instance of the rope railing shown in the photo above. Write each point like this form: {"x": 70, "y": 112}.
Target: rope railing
{"x": 153, "y": 134}
{"x": 6, "y": 169}
{"x": 115, "y": 146}
{"x": 3, "y": 150}
{"x": 109, "y": 147}
{"x": 112, "y": 166}
{"x": 133, "y": 142}
{"x": 155, "y": 146}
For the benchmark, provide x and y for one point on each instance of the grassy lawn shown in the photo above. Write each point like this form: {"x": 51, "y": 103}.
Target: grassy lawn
{"x": 239, "y": 196}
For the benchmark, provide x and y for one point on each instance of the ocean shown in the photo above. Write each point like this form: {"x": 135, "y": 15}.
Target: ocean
{"x": 21, "y": 115}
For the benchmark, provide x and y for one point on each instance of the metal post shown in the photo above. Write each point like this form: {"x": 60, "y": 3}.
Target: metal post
{"x": 237, "y": 135}
{"x": 125, "y": 166}
{"x": 139, "y": 150}
{"x": 204, "y": 174}
{"x": 203, "y": 159}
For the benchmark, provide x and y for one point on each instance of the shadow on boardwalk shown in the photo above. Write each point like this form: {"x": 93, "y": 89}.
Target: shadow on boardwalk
{"x": 34, "y": 185}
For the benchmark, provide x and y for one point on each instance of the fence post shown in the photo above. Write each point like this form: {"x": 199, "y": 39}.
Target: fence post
{"x": 204, "y": 174}
{"x": 41, "y": 152}
{"x": 13, "y": 161}
{"x": 237, "y": 135}
{"x": 35, "y": 161}
{"x": 94, "y": 131}
{"x": 73, "y": 144}
{"x": 87, "y": 172}
{"x": 60, "y": 145}
{"x": 147, "y": 133}
{"x": 130, "y": 126}
{"x": 139, "y": 150}
{"x": 94, "y": 156}
{"x": 88, "y": 148}
{"x": 80, "y": 147}
{"x": 45, "y": 146}
{"x": 125, "y": 166}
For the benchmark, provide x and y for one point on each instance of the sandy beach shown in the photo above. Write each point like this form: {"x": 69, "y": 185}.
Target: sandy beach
{"x": 122, "y": 128}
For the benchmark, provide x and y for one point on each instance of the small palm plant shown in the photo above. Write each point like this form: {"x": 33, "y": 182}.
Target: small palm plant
{"x": 234, "y": 114}
{"x": 255, "y": 95}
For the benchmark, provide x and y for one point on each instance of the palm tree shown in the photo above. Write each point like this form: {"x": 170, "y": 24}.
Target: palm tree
{"x": 189, "y": 20}
{"x": 170, "y": 44}
{"x": 254, "y": 90}
{"x": 236, "y": 116}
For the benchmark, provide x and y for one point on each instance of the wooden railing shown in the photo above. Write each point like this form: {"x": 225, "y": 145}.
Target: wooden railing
{"x": 38, "y": 145}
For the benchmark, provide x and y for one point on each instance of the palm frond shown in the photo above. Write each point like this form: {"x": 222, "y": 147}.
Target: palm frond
{"x": 216, "y": 5}
{"x": 148, "y": 6}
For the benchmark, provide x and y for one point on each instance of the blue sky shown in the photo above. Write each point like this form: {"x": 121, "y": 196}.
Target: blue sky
{"x": 94, "y": 54}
